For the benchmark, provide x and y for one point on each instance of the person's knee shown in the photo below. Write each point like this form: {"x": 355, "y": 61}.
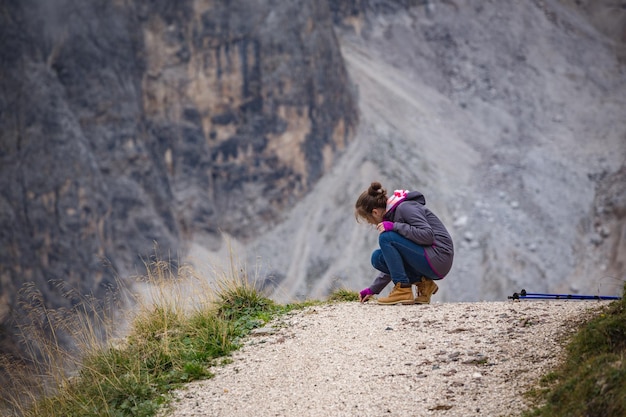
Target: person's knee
{"x": 376, "y": 257}
{"x": 385, "y": 237}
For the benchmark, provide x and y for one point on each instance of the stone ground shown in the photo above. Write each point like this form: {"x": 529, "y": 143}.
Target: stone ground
{"x": 349, "y": 359}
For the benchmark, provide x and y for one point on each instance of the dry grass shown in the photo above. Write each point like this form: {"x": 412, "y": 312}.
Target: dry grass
{"x": 77, "y": 364}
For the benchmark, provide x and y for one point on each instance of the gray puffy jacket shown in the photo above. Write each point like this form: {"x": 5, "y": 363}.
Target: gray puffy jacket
{"x": 413, "y": 220}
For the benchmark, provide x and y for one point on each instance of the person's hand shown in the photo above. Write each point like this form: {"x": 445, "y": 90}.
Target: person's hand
{"x": 385, "y": 226}
{"x": 365, "y": 295}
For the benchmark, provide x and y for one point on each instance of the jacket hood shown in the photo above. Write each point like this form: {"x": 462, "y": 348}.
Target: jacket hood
{"x": 416, "y": 196}
{"x": 403, "y": 195}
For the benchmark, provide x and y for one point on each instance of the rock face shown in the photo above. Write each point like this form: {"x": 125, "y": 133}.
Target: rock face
{"x": 123, "y": 124}
{"x": 509, "y": 118}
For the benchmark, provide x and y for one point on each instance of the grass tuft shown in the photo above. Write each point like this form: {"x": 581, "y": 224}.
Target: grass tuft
{"x": 343, "y": 294}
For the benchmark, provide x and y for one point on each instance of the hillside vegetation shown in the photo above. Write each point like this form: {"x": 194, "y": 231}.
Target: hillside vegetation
{"x": 175, "y": 338}
{"x": 592, "y": 380}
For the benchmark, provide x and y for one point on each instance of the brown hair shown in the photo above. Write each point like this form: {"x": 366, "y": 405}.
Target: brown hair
{"x": 374, "y": 197}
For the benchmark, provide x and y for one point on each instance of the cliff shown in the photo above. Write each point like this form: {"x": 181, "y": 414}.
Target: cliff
{"x": 127, "y": 123}
{"x": 509, "y": 118}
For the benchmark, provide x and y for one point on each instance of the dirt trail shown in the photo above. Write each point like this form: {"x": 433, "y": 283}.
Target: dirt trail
{"x": 349, "y": 359}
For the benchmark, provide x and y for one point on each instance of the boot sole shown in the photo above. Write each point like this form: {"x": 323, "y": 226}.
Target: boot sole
{"x": 405, "y": 302}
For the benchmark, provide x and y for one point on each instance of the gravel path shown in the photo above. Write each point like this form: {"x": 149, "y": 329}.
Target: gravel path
{"x": 351, "y": 359}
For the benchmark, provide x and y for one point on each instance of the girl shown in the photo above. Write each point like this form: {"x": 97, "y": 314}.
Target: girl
{"x": 415, "y": 247}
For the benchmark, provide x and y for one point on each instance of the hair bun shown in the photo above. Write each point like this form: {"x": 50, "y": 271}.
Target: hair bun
{"x": 376, "y": 189}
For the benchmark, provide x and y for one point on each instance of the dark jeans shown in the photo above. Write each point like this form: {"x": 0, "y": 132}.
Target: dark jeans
{"x": 404, "y": 260}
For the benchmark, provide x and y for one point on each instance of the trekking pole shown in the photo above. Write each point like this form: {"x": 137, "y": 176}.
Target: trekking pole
{"x": 523, "y": 295}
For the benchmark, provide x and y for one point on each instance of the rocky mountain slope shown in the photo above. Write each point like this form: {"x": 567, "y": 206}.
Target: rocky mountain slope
{"x": 123, "y": 124}
{"x": 510, "y": 119}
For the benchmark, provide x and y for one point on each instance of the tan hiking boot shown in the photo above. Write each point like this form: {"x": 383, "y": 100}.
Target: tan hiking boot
{"x": 425, "y": 288}
{"x": 399, "y": 295}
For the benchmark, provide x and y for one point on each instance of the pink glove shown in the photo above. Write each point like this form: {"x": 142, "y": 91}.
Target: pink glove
{"x": 388, "y": 226}
{"x": 365, "y": 295}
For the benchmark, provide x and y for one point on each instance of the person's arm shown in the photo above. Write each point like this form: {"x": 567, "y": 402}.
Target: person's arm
{"x": 377, "y": 286}
{"x": 380, "y": 282}
{"x": 414, "y": 225}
